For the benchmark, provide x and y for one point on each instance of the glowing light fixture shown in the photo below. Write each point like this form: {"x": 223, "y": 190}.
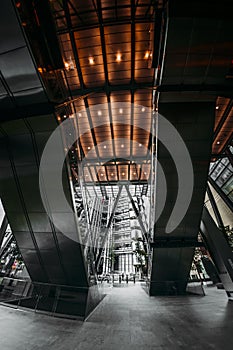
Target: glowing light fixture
{"x": 147, "y": 55}
{"x": 99, "y": 113}
{"x": 118, "y": 57}
{"x": 67, "y": 66}
{"x": 121, "y": 110}
{"x": 91, "y": 60}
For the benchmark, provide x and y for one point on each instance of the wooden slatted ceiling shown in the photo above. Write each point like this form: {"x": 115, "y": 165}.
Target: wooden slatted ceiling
{"x": 114, "y": 139}
{"x": 223, "y": 124}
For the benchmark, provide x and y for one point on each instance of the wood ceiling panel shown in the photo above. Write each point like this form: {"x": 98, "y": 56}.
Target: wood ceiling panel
{"x": 119, "y": 139}
{"x": 223, "y": 124}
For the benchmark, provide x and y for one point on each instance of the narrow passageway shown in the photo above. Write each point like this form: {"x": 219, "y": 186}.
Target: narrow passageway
{"x": 127, "y": 319}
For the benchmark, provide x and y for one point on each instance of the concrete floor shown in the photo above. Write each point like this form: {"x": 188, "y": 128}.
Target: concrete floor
{"x": 127, "y": 319}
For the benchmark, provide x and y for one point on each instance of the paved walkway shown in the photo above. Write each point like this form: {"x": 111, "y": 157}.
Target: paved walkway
{"x": 127, "y": 319}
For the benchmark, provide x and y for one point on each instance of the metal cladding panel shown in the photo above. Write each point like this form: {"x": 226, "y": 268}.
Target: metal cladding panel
{"x": 194, "y": 122}
{"x": 12, "y": 36}
{"x": 19, "y": 70}
{"x": 21, "y": 89}
{"x": 50, "y": 256}
{"x": 201, "y": 9}
{"x": 198, "y": 54}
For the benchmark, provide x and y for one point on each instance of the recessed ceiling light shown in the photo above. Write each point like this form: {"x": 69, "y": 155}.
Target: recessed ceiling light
{"x": 118, "y": 57}
{"x": 134, "y": 173}
{"x": 123, "y": 174}
{"x": 99, "y": 113}
{"x": 80, "y": 114}
{"x": 105, "y": 146}
{"x": 67, "y": 66}
{"x": 112, "y": 174}
{"x": 140, "y": 145}
{"x": 145, "y": 173}
{"x": 147, "y": 55}
{"x": 88, "y": 147}
{"x": 120, "y": 110}
{"x": 64, "y": 116}
{"x": 91, "y": 60}
{"x": 143, "y": 109}
{"x": 122, "y": 146}
{"x": 217, "y": 107}
{"x": 218, "y": 142}
{"x": 102, "y": 174}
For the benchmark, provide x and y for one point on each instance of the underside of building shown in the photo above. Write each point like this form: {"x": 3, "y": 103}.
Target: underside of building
{"x": 116, "y": 154}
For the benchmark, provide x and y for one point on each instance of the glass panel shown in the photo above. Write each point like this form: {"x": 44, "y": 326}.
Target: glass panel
{"x": 217, "y": 170}
{"x": 228, "y": 187}
{"x": 212, "y": 165}
{"x": 226, "y": 174}
{"x": 230, "y": 196}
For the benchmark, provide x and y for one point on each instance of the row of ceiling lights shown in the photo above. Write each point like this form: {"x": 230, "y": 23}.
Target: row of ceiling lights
{"x": 116, "y": 162}
{"x": 99, "y": 113}
{"x": 122, "y": 146}
{"x": 69, "y": 65}
{"x": 147, "y": 55}
{"x": 123, "y": 174}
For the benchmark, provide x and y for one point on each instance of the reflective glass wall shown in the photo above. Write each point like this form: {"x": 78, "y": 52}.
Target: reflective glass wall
{"x": 221, "y": 172}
